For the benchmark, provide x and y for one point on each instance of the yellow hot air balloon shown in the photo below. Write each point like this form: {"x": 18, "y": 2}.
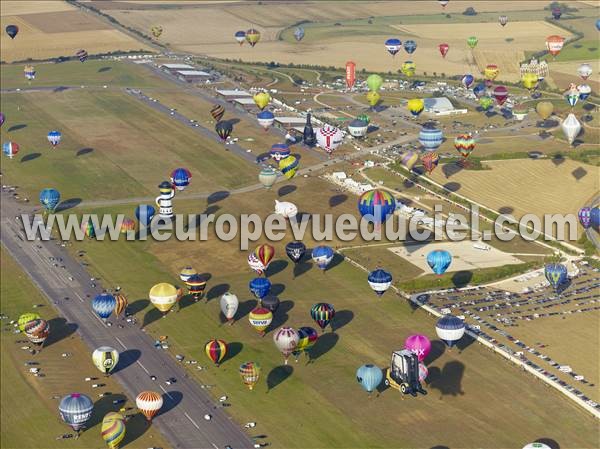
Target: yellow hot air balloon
{"x": 262, "y": 100}
{"x": 26, "y": 318}
{"x": 408, "y": 68}
{"x": 113, "y": 429}
{"x": 530, "y": 81}
{"x": 491, "y": 71}
{"x": 544, "y": 109}
{"x": 252, "y": 36}
{"x": 163, "y": 296}
{"x": 373, "y": 98}
{"x": 288, "y": 166}
{"x": 416, "y": 106}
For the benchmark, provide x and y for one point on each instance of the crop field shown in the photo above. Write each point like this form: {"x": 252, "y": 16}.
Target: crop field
{"x": 63, "y": 375}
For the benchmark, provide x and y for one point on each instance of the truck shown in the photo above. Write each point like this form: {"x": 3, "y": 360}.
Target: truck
{"x": 403, "y": 373}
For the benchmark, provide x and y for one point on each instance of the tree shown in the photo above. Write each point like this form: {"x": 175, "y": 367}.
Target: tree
{"x": 470, "y": 11}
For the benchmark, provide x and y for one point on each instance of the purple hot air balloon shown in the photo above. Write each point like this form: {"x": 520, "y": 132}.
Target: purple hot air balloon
{"x": 585, "y": 217}
{"x": 419, "y": 345}
{"x": 2, "y": 117}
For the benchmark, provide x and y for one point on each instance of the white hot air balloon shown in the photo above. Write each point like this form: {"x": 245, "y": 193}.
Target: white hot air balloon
{"x": 584, "y": 70}
{"x": 358, "y": 128}
{"x": 571, "y": 127}
{"x": 229, "y": 306}
{"x": 329, "y": 138}
{"x": 255, "y": 264}
{"x": 537, "y": 446}
{"x": 286, "y": 209}
{"x": 286, "y": 339}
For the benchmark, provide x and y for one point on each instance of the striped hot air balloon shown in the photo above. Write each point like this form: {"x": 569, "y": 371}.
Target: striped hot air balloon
{"x": 376, "y": 205}
{"x": 26, "y": 318}
{"x": 267, "y": 176}
{"x": 288, "y": 166}
{"x": 10, "y": 149}
{"x": 409, "y": 159}
{"x": 260, "y": 319}
{"x": 265, "y": 119}
{"x": 75, "y": 410}
{"x": 322, "y": 314}
{"x": 450, "y": 329}
{"x": 127, "y": 225}
{"x": 286, "y": 340}
{"x": 464, "y": 144}
{"x": 380, "y": 281}
{"x": 149, "y": 403}
{"x": 196, "y": 285}
{"x": 217, "y": 112}
{"x": 82, "y": 55}
{"x": 430, "y": 161}
{"x": 264, "y": 253}
{"x": 186, "y": 272}
{"x": 431, "y": 137}
{"x": 216, "y": 350}
{"x": 250, "y": 373}
{"x": 113, "y": 429}
{"x": 88, "y": 229}
{"x": 37, "y": 331}
{"x": 279, "y": 151}
{"x": 307, "y": 337}
{"x": 121, "y": 304}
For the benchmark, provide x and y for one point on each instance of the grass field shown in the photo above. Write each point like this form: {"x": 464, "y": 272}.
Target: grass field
{"x": 39, "y": 413}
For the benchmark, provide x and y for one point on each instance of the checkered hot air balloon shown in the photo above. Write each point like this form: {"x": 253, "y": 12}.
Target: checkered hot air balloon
{"x": 329, "y": 138}
{"x": 464, "y": 144}
{"x": 149, "y": 403}
{"x": 322, "y": 313}
{"x": 376, "y": 205}
{"x": 585, "y": 217}
{"x": 216, "y": 350}
{"x": 250, "y": 373}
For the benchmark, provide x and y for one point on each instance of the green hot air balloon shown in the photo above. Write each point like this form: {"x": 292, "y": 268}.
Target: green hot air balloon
{"x": 374, "y": 82}
{"x": 472, "y": 42}
{"x": 486, "y": 103}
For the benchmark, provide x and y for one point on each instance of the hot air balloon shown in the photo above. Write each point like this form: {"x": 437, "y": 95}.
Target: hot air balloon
{"x": 216, "y": 350}
{"x": 104, "y": 305}
{"x": 12, "y": 31}
{"x": 450, "y": 329}
{"x": 350, "y": 74}
{"x": 217, "y": 112}
{"x": 380, "y": 281}
{"x": 156, "y": 31}
{"x": 410, "y": 46}
{"x": 322, "y": 314}
{"x": 584, "y": 214}
{"x": 295, "y": 251}
{"x": 393, "y": 46}
{"x": 270, "y": 302}
{"x": 49, "y": 199}
{"x": 554, "y": 44}
{"x": 127, "y": 225}
{"x": 29, "y": 72}
{"x": 572, "y": 96}
{"x": 430, "y": 161}
{"x": 530, "y": 81}
{"x": 105, "y": 358}
{"x": 286, "y": 340}
{"x": 415, "y": 106}
{"x": 75, "y": 410}
{"x": 556, "y": 274}
{"x": 249, "y": 372}
{"x": 418, "y": 344}
{"x": 163, "y": 296}
{"x": 267, "y": 176}
{"x": 307, "y": 337}
{"x": 364, "y": 118}
{"x": 252, "y": 36}
{"x": 490, "y": 73}
{"x": 113, "y": 429}
{"x": 196, "y": 285}
{"x": 409, "y": 159}
{"x": 82, "y": 55}
{"x": 329, "y": 138}
{"x": 144, "y": 213}
{"x": 224, "y": 130}
{"x": 358, "y": 128}
{"x": 299, "y": 33}
{"x": 265, "y": 254}
{"x": 374, "y": 82}
{"x": 467, "y": 80}
{"x": 121, "y": 304}
{"x": 265, "y": 119}
{"x": 149, "y": 403}
{"x": 571, "y": 128}
{"x": 288, "y": 166}
{"x": 262, "y": 99}
{"x": 376, "y": 205}
{"x": 556, "y": 13}
{"x": 584, "y": 71}
{"x": 322, "y": 256}
{"x": 486, "y": 103}
{"x": 584, "y": 91}
{"x": 464, "y": 144}
{"x": 373, "y": 98}
{"x": 500, "y": 94}
{"x": 443, "y": 3}
{"x": 260, "y": 318}
{"x": 240, "y": 37}
{"x": 54, "y": 138}
{"x": 26, "y": 318}
{"x": 88, "y": 229}
{"x": 443, "y": 49}
{"x": 519, "y": 111}
{"x": 439, "y": 261}
{"x": 430, "y": 137}
{"x": 279, "y": 151}
{"x": 10, "y": 149}
{"x": 369, "y": 377}
{"x": 503, "y": 20}
{"x": 595, "y": 218}
{"x": 37, "y": 331}
{"x": 255, "y": 264}
{"x": 544, "y": 109}
{"x": 598, "y": 24}
{"x": 2, "y": 118}
{"x": 229, "y": 304}
{"x": 472, "y": 42}
{"x": 479, "y": 90}
{"x": 180, "y": 178}
{"x": 408, "y": 68}
{"x": 260, "y": 287}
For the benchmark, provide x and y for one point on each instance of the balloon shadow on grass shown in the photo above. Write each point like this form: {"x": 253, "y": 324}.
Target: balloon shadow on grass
{"x": 341, "y": 319}
{"x": 278, "y": 375}
{"x": 103, "y": 406}
{"x": 137, "y": 306}
{"x": 337, "y": 259}
{"x": 324, "y": 344}
{"x": 465, "y": 342}
{"x": 68, "y": 204}
{"x": 462, "y": 278}
{"x": 440, "y": 447}
{"x": 437, "y": 350}
{"x": 17, "y": 127}
{"x": 277, "y": 266}
{"x": 505, "y": 210}
{"x": 263, "y": 157}
{"x": 451, "y": 169}
{"x": 336, "y": 200}
{"x": 281, "y": 316}
{"x": 233, "y": 349}
{"x": 104, "y": 69}
{"x": 382, "y": 386}
{"x": 579, "y": 173}
{"x": 186, "y": 301}
{"x": 127, "y": 358}
{"x": 217, "y": 291}
{"x": 277, "y": 289}
{"x": 136, "y": 427}
{"x": 84, "y": 151}
{"x": 302, "y": 267}
{"x": 30, "y": 157}
{"x": 286, "y": 190}
{"x": 215, "y": 197}
{"x": 452, "y": 186}
{"x": 171, "y": 399}
{"x": 448, "y": 380}
{"x": 558, "y": 159}
{"x": 244, "y": 309}
{"x": 59, "y": 330}
{"x": 151, "y": 316}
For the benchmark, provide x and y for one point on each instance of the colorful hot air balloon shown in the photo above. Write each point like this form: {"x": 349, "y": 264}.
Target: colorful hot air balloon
{"x": 295, "y": 251}
{"x": 322, "y": 256}
{"x": 530, "y": 81}
{"x": 250, "y": 373}
{"x": 486, "y": 103}
{"x": 255, "y": 264}
{"x": 26, "y": 318}
{"x": 12, "y": 31}
{"x": 584, "y": 70}
{"x": 267, "y": 176}
{"x": 105, "y": 358}
{"x": 556, "y": 13}
{"x": 571, "y": 128}
{"x": 156, "y": 31}
{"x": 224, "y": 130}
{"x": 490, "y": 73}
{"x": 358, "y": 128}
{"x": 408, "y": 68}
{"x": 216, "y": 350}
{"x": 262, "y": 99}
{"x": 270, "y": 302}
{"x": 409, "y": 159}
{"x": 252, "y": 36}
{"x": 128, "y": 224}
{"x": 75, "y": 410}
{"x": 163, "y": 296}
{"x": 503, "y": 20}
{"x": 430, "y": 161}
{"x": 180, "y": 178}
{"x": 418, "y": 344}
{"x": 464, "y": 144}
{"x": 380, "y": 281}
{"x": 410, "y": 46}
{"x": 286, "y": 340}
{"x": 467, "y": 80}
{"x": 572, "y": 96}
{"x": 322, "y": 314}
{"x": 217, "y": 112}
{"x": 369, "y": 377}
{"x": 450, "y": 329}
{"x": 144, "y": 213}
{"x": 54, "y": 138}
{"x": 265, "y": 119}
{"x": 374, "y": 82}
{"x": 472, "y": 42}
{"x": 556, "y": 274}
{"x": 29, "y": 72}
{"x": 113, "y": 429}
{"x": 265, "y": 254}
{"x": 584, "y": 91}
{"x": 393, "y": 46}
{"x": 415, "y": 106}
{"x": 37, "y": 331}
{"x": 500, "y": 94}
{"x": 279, "y": 151}
{"x": 196, "y": 285}
{"x": 439, "y": 261}
{"x": 430, "y": 137}
{"x": 88, "y": 229}
{"x": 544, "y": 109}
{"x": 373, "y": 98}
{"x": 260, "y": 287}
{"x": 229, "y": 304}
{"x": 104, "y": 305}
{"x": 82, "y": 55}
{"x": 364, "y": 118}
{"x": 376, "y": 205}
{"x": 307, "y": 337}
{"x": 554, "y": 44}
{"x": 260, "y": 319}
{"x": 149, "y": 403}
{"x": 350, "y": 74}
{"x": 121, "y": 304}
{"x": 288, "y": 166}
{"x": 10, "y": 149}
{"x": 240, "y": 37}
{"x": 584, "y": 214}
{"x": 423, "y": 372}
{"x": 444, "y": 49}
{"x": 299, "y": 33}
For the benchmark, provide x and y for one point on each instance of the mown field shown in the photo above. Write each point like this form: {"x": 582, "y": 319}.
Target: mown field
{"x": 29, "y": 417}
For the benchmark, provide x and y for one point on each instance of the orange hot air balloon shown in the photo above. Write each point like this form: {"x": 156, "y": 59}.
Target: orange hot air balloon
{"x": 350, "y": 74}
{"x": 554, "y": 44}
{"x": 121, "y": 304}
{"x": 149, "y": 403}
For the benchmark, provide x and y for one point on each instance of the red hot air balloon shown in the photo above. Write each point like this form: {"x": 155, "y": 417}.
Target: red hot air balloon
{"x": 444, "y": 49}
{"x": 500, "y": 94}
{"x": 350, "y": 74}
{"x": 264, "y": 253}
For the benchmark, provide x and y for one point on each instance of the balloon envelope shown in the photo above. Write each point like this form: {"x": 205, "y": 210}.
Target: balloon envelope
{"x": 374, "y": 82}
{"x": 295, "y": 251}
{"x": 267, "y": 176}
{"x": 260, "y": 287}
{"x": 250, "y": 373}
{"x": 369, "y": 377}
{"x": 415, "y": 106}
{"x": 571, "y": 128}
{"x": 216, "y": 350}
{"x": 163, "y": 296}
{"x": 556, "y": 274}
{"x": 419, "y": 345}
{"x": 12, "y": 31}
{"x": 450, "y": 329}
{"x": 410, "y": 46}
{"x": 105, "y": 358}
{"x": 104, "y": 305}
{"x": 144, "y": 213}
{"x": 544, "y": 109}
{"x": 113, "y": 429}
{"x": 322, "y": 256}
{"x": 430, "y": 137}
{"x": 286, "y": 340}
{"x": 322, "y": 313}
{"x": 229, "y": 304}
{"x": 376, "y": 205}
{"x": 149, "y": 403}
{"x": 439, "y": 261}
{"x": 49, "y": 198}
{"x": 393, "y": 46}
{"x": 380, "y": 281}
{"x": 75, "y": 410}
{"x": 467, "y": 80}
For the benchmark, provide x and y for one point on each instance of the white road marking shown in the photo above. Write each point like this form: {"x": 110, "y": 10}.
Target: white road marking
{"x": 194, "y": 423}
{"x": 166, "y": 392}
{"x": 120, "y": 342}
{"x": 143, "y": 367}
{"x": 215, "y": 446}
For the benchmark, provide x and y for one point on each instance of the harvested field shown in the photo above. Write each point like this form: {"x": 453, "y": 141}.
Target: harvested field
{"x": 21, "y": 7}
{"x": 53, "y": 22}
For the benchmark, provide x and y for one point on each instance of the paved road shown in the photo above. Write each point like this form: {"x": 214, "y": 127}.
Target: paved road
{"x": 183, "y": 424}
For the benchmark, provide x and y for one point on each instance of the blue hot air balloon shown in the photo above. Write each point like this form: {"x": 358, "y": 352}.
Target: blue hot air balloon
{"x": 49, "y": 198}
{"x": 556, "y": 274}
{"x": 380, "y": 280}
{"x": 265, "y": 119}
{"x": 439, "y": 261}
{"x": 54, "y": 137}
{"x": 598, "y": 24}
{"x": 104, "y": 304}
{"x": 295, "y": 250}
{"x": 144, "y": 214}
{"x": 430, "y": 137}
{"x": 75, "y": 410}
{"x": 393, "y": 46}
{"x": 322, "y": 256}
{"x": 410, "y": 46}
{"x": 181, "y": 177}
{"x": 467, "y": 80}
{"x": 369, "y": 377}
{"x": 279, "y": 151}
{"x": 479, "y": 90}
{"x": 595, "y": 218}
{"x": 260, "y": 287}
{"x": 450, "y": 329}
